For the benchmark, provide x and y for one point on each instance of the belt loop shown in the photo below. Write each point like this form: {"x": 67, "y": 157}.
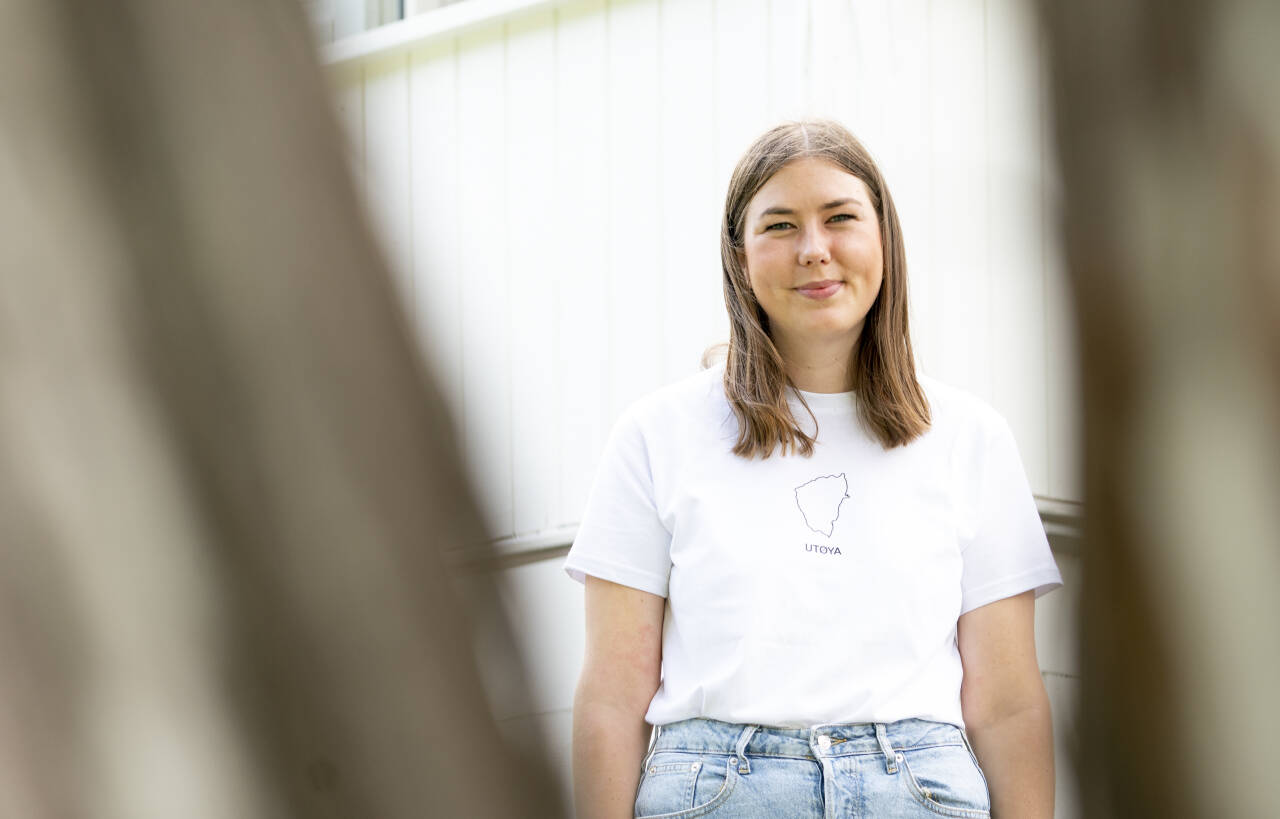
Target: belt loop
{"x": 891, "y": 758}
{"x": 740, "y": 750}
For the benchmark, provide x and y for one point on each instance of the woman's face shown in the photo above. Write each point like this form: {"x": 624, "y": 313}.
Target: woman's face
{"x": 812, "y": 253}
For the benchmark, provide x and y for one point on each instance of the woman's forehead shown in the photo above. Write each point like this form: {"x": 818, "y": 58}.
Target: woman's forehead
{"x": 809, "y": 182}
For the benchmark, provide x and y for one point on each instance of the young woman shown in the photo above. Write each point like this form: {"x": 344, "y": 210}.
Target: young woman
{"x": 812, "y": 569}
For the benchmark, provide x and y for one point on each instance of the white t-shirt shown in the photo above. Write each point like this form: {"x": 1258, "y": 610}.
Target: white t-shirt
{"x": 810, "y": 590}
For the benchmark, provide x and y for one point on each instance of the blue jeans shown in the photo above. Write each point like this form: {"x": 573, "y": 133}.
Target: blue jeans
{"x": 913, "y": 767}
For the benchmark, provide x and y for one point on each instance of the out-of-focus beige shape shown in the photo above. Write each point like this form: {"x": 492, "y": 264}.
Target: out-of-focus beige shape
{"x": 225, "y": 480}
{"x": 1168, "y": 125}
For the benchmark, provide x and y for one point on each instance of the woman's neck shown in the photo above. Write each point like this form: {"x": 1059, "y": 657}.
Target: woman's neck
{"x": 818, "y": 367}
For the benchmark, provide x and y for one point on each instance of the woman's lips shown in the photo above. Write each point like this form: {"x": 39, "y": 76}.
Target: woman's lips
{"x": 820, "y": 290}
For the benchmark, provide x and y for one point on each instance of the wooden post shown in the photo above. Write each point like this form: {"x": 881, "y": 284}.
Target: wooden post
{"x": 1168, "y": 128}
{"x": 225, "y": 477}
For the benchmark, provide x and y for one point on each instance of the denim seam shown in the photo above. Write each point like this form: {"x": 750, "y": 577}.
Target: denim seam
{"x": 935, "y": 806}
{"x": 653, "y": 746}
{"x": 969, "y": 747}
{"x": 731, "y": 752}
{"x": 731, "y": 779}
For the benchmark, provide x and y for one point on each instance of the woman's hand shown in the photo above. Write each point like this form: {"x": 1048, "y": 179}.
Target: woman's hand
{"x": 620, "y": 673}
{"x": 1006, "y": 709}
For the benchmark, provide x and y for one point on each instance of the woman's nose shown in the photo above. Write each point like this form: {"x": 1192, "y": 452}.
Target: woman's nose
{"x": 814, "y": 247}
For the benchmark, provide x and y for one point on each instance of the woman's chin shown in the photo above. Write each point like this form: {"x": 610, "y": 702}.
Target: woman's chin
{"x": 824, "y": 333}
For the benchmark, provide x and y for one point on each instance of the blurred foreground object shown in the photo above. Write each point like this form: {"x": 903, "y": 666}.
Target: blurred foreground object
{"x": 225, "y": 482}
{"x": 1168, "y": 123}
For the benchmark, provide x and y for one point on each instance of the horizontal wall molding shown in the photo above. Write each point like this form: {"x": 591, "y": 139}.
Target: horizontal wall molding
{"x": 507, "y": 552}
{"x": 420, "y": 29}
{"x": 1063, "y": 522}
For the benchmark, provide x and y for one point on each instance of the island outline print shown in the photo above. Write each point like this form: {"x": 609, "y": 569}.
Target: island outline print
{"x": 820, "y": 501}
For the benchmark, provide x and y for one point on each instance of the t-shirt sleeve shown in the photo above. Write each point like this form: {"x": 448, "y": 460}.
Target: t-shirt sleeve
{"x": 621, "y": 537}
{"x": 1005, "y": 551}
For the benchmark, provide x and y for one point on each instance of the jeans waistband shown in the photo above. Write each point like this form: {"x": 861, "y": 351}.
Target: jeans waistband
{"x": 702, "y": 735}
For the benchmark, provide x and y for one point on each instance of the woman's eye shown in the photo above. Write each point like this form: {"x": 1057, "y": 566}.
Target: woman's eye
{"x": 843, "y": 216}
{"x": 779, "y": 225}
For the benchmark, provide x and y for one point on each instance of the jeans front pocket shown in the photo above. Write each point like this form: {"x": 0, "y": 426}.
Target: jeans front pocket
{"x": 946, "y": 780}
{"x": 681, "y": 785}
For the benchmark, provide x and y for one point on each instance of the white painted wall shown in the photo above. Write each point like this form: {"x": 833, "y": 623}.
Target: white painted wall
{"x": 548, "y": 186}
{"x": 549, "y": 189}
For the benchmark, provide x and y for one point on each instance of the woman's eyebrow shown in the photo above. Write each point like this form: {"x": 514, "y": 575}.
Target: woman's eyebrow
{"x": 836, "y": 203}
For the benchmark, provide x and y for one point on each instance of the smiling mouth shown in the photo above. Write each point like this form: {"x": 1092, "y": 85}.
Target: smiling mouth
{"x": 820, "y": 290}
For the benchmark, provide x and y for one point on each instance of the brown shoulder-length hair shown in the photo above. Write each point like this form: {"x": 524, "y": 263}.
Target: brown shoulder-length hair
{"x": 890, "y": 400}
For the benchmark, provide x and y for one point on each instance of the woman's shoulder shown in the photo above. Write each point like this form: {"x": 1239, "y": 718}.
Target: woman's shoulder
{"x": 956, "y": 408}
{"x": 692, "y": 397}
{"x": 686, "y": 392}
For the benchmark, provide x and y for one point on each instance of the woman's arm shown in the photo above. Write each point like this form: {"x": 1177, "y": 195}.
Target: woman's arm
{"x": 1006, "y": 709}
{"x": 620, "y": 673}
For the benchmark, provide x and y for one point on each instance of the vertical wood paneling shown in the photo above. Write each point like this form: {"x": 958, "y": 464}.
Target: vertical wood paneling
{"x": 486, "y": 308}
{"x": 387, "y": 163}
{"x": 531, "y": 222}
{"x": 693, "y": 314}
{"x": 1063, "y": 395}
{"x": 788, "y": 60}
{"x": 960, "y": 289}
{"x": 581, "y": 169}
{"x": 869, "y": 46}
{"x": 1063, "y": 392}
{"x": 433, "y": 125}
{"x": 741, "y": 89}
{"x": 635, "y": 226}
{"x": 904, "y": 160}
{"x": 835, "y": 84}
{"x": 1065, "y": 437}
{"x": 557, "y": 197}
{"x": 1014, "y": 232}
